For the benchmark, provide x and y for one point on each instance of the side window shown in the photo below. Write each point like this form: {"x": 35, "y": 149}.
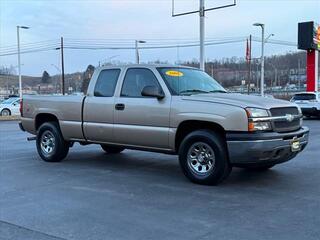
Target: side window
{"x": 135, "y": 80}
{"x": 106, "y": 83}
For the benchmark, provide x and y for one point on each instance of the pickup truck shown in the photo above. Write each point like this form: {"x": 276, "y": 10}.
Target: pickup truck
{"x": 168, "y": 109}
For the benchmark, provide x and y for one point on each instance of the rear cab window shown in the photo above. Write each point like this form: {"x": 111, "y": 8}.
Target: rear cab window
{"x": 106, "y": 83}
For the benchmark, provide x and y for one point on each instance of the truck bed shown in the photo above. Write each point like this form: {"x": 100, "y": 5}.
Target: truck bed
{"x": 68, "y": 110}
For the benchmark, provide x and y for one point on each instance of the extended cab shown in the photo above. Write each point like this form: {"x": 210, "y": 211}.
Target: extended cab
{"x": 168, "y": 109}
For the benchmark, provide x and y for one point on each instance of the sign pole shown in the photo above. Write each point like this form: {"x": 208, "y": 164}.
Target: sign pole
{"x": 316, "y": 69}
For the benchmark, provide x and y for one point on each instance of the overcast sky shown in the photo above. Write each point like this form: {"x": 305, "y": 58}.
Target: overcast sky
{"x": 147, "y": 20}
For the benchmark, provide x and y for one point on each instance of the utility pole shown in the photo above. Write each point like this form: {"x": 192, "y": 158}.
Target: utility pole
{"x": 62, "y": 66}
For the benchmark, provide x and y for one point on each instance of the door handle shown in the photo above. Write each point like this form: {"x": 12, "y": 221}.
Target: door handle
{"x": 119, "y": 106}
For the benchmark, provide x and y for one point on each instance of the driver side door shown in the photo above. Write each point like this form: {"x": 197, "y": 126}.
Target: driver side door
{"x": 139, "y": 120}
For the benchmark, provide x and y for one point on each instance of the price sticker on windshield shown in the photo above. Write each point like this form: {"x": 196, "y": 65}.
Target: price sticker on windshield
{"x": 173, "y": 73}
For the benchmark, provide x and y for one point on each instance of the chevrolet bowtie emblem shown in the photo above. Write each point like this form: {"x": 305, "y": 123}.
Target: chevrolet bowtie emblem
{"x": 289, "y": 117}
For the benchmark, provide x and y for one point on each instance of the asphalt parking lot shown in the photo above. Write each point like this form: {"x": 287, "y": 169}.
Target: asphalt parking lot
{"x": 138, "y": 195}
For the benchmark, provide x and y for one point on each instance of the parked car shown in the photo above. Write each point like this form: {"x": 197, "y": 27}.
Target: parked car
{"x": 10, "y": 106}
{"x": 309, "y": 103}
{"x": 168, "y": 109}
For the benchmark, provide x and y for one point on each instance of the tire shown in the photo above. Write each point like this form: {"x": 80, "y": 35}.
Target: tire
{"x": 259, "y": 168}
{"x": 50, "y": 143}
{"x": 112, "y": 149}
{"x": 5, "y": 112}
{"x": 203, "y": 157}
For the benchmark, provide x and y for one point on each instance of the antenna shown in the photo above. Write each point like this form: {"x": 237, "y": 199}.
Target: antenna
{"x": 201, "y": 12}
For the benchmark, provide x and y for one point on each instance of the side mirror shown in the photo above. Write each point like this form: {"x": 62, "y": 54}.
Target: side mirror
{"x": 152, "y": 91}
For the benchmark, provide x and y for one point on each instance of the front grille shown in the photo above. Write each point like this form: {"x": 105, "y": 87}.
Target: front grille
{"x": 276, "y": 112}
{"x": 285, "y": 125}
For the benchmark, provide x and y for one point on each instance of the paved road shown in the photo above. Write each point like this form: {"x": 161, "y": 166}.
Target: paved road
{"x": 137, "y": 195}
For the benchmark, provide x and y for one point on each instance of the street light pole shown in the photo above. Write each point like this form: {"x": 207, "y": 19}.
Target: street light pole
{"x": 201, "y": 13}
{"x": 137, "y": 50}
{"x": 262, "y": 57}
{"x": 19, "y": 61}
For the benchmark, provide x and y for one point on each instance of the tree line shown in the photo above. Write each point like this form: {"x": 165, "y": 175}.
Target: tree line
{"x": 233, "y": 71}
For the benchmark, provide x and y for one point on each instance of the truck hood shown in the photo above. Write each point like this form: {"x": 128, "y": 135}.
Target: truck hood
{"x": 239, "y": 100}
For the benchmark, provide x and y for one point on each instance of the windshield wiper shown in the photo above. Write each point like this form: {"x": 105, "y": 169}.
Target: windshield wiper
{"x": 218, "y": 91}
{"x": 193, "y": 91}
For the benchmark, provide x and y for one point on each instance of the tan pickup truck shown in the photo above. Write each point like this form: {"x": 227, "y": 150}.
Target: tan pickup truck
{"x": 168, "y": 109}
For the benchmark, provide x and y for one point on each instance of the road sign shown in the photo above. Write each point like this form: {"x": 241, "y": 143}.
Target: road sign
{"x": 309, "y": 40}
{"x": 309, "y": 36}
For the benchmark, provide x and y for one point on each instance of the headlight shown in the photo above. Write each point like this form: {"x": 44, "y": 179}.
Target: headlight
{"x": 260, "y": 125}
{"x": 257, "y": 112}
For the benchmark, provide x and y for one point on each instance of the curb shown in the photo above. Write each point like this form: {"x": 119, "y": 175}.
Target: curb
{"x": 9, "y": 118}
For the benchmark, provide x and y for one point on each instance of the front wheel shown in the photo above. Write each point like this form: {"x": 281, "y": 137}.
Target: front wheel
{"x": 112, "y": 149}
{"x": 203, "y": 157}
{"x": 50, "y": 143}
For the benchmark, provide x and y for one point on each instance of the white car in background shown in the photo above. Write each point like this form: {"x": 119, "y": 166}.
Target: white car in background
{"x": 10, "y": 106}
{"x": 309, "y": 102}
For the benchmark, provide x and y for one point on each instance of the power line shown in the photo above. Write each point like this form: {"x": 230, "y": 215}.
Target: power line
{"x": 124, "y": 44}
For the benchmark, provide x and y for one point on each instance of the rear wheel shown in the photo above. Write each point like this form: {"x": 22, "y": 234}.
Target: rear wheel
{"x": 5, "y": 112}
{"x": 203, "y": 157}
{"x": 112, "y": 149}
{"x": 50, "y": 143}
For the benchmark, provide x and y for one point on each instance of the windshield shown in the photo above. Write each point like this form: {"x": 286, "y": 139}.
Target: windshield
{"x": 304, "y": 96}
{"x": 9, "y": 101}
{"x": 187, "y": 81}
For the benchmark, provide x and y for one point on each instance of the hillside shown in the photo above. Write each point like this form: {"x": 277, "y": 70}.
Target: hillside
{"x": 280, "y": 71}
